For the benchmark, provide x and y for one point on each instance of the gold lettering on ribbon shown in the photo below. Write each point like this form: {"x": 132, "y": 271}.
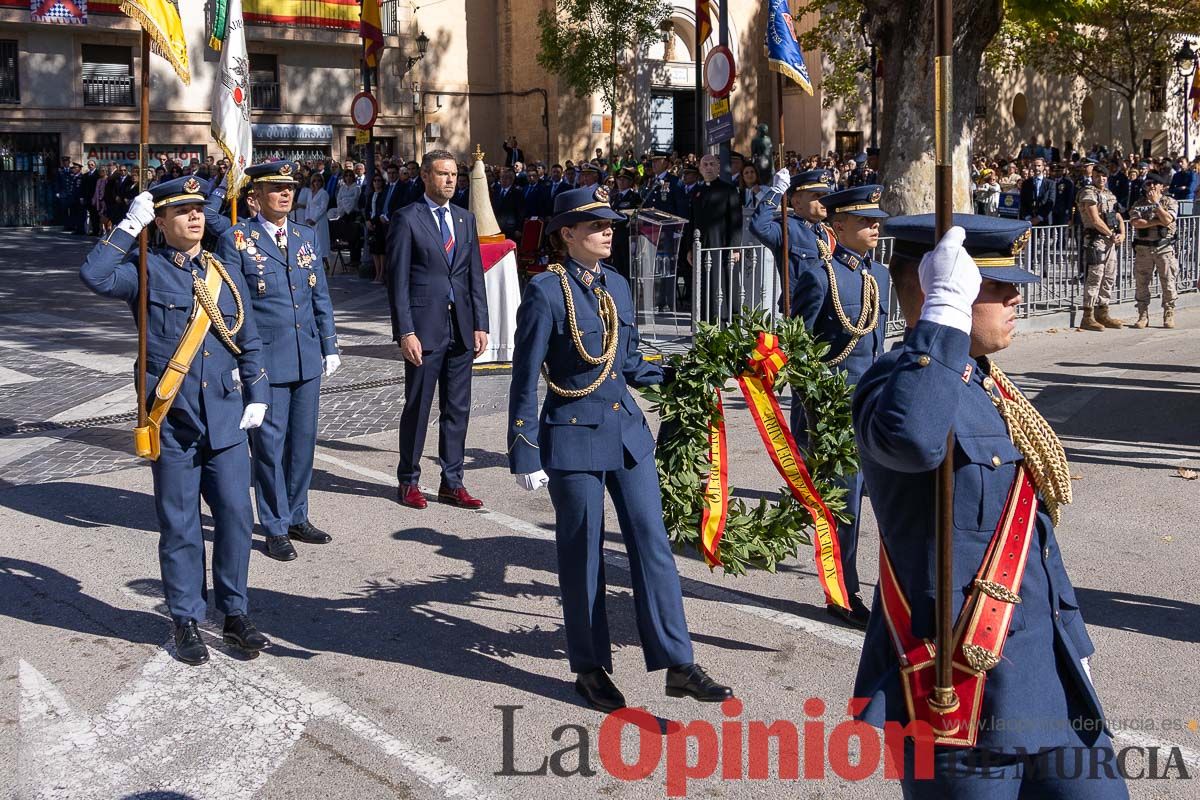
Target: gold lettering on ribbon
{"x": 716, "y": 495}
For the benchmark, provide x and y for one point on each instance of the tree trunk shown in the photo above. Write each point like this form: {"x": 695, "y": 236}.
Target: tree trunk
{"x": 903, "y": 30}
{"x": 1133, "y": 142}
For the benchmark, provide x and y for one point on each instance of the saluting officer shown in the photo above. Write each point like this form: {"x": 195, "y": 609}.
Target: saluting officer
{"x": 843, "y": 300}
{"x": 290, "y": 300}
{"x": 806, "y": 224}
{"x": 197, "y": 336}
{"x": 575, "y": 321}
{"x": 1020, "y": 645}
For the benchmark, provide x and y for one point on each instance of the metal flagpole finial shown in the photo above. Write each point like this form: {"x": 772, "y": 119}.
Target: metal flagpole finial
{"x": 478, "y": 153}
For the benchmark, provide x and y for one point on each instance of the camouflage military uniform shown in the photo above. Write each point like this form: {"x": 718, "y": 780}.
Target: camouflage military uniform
{"x": 1154, "y": 252}
{"x": 1100, "y": 257}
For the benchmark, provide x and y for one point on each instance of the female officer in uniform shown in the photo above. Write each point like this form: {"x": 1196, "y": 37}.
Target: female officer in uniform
{"x": 575, "y": 325}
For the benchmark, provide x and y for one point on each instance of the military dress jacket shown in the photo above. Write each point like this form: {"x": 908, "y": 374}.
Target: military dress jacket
{"x": 904, "y": 406}
{"x": 588, "y": 434}
{"x": 288, "y": 297}
{"x": 666, "y": 194}
{"x": 803, "y": 253}
{"x": 210, "y": 400}
{"x": 814, "y": 302}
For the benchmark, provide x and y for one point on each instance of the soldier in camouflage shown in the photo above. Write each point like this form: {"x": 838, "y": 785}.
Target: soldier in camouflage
{"x": 1153, "y": 218}
{"x": 1103, "y": 232}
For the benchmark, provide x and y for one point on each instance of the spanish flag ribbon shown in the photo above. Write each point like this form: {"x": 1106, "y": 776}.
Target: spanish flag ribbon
{"x": 757, "y": 386}
{"x": 160, "y": 19}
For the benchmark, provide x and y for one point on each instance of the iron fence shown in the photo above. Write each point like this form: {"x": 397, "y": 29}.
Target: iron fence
{"x": 108, "y": 90}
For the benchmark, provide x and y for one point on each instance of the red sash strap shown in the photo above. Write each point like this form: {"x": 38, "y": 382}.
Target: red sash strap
{"x": 981, "y": 629}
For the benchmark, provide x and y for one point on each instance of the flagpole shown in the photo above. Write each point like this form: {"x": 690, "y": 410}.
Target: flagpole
{"x": 143, "y": 237}
{"x": 943, "y": 699}
{"x": 785, "y": 251}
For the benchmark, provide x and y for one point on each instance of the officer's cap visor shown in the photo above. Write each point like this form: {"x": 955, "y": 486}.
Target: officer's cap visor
{"x": 568, "y": 218}
{"x": 1012, "y": 274}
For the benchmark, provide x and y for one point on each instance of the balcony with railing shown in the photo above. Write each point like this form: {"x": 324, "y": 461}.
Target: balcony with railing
{"x": 264, "y": 96}
{"x": 108, "y": 90}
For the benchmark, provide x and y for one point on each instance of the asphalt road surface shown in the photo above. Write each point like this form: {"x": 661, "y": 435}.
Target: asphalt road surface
{"x": 420, "y": 654}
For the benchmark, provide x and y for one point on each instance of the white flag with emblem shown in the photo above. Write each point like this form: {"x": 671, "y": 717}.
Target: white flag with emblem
{"x": 231, "y": 100}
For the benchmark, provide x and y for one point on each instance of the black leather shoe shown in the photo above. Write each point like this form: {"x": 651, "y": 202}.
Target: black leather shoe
{"x": 599, "y": 691}
{"x": 856, "y": 617}
{"x": 189, "y": 647}
{"x": 240, "y": 632}
{"x": 690, "y": 680}
{"x": 308, "y": 533}
{"x": 280, "y": 548}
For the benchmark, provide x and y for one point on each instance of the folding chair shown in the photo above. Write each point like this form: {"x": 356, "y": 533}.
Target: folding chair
{"x": 529, "y": 251}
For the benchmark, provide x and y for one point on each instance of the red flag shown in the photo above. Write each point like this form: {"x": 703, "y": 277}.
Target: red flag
{"x": 371, "y": 31}
{"x": 703, "y": 23}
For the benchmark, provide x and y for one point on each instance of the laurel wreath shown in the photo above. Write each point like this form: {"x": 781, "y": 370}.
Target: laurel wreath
{"x": 757, "y": 535}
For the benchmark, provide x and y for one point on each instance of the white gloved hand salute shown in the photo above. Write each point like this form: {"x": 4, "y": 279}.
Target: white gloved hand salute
{"x": 139, "y": 215}
{"x": 533, "y": 481}
{"x": 332, "y": 362}
{"x": 782, "y": 181}
{"x": 253, "y": 416}
{"x": 951, "y": 281}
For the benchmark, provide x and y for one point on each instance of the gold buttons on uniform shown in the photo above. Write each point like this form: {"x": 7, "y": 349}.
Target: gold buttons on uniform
{"x": 520, "y": 423}
{"x": 996, "y": 461}
{"x": 616, "y": 406}
{"x": 924, "y": 360}
{"x": 203, "y": 384}
{"x": 1046, "y": 553}
{"x": 297, "y": 326}
{"x": 988, "y": 383}
{"x": 613, "y": 375}
{"x": 206, "y": 354}
{"x": 573, "y": 420}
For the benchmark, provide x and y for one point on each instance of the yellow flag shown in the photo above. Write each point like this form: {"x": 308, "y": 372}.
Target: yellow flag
{"x": 160, "y": 19}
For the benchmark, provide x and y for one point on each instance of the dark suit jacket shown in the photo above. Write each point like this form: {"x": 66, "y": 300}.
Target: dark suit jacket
{"x": 421, "y": 278}
{"x": 716, "y": 211}
{"x": 394, "y": 198}
{"x": 513, "y": 155}
{"x": 1040, "y": 205}
{"x": 509, "y": 209}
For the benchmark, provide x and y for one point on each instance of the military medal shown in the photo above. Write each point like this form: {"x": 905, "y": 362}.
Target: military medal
{"x": 312, "y": 279}
{"x": 262, "y": 287}
{"x": 252, "y": 250}
{"x": 239, "y": 241}
{"x": 253, "y": 234}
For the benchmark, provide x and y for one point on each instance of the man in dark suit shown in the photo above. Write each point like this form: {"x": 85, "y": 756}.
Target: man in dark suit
{"x": 716, "y": 212}
{"x": 414, "y": 188}
{"x": 536, "y": 196}
{"x": 118, "y": 192}
{"x": 512, "y": 153}
{"x": 508, "y": 203}
{"x": 625, "y": 199}
{"x": 1037, "y": 195}
{"x": 440, "y": 319}
{"x": 393, "y": 195}
{"x": 557, "y": 185}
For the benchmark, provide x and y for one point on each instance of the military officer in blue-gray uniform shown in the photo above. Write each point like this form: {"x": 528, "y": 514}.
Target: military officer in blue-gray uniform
{"x": 577, "y": 321}
{"x": 843, "y": 300}
{"x": 959, "y": 302}
{"x": 290, "y": 302}
{"x": 202, "y": 439}
{"x": 806, "y": 225}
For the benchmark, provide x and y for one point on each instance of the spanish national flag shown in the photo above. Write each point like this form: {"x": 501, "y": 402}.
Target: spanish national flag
{"x": 160, "y": 19}
{"x": 703, "y": 23}
{"x": 372, "y": 32}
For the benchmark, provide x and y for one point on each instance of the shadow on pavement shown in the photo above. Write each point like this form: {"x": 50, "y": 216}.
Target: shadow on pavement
{"x": 44, "y": 596}
{"x": 1152, "y": 616}
{"x": 85, "y": 506}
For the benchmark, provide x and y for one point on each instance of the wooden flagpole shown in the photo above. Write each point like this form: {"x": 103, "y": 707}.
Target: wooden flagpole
{"x": 144, "y": 236}
{"x": 943, "y": 699}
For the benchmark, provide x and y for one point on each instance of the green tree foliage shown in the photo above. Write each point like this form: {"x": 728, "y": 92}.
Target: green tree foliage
{"x": 582, "y": 41}
{"x": 846, "y": 63}
{"x": 1113, "y": 45}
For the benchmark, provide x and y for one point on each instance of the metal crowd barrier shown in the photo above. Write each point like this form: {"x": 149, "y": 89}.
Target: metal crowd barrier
{"x": 733, "y": 277}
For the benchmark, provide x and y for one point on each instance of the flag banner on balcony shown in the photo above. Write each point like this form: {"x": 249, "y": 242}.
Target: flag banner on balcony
{"x": 231, "y": 100}
{"x": 65, "y": 12}
{"x": 783, "y": 47}
{"x": 220, "y": 24}
{"x": 372, "y": 32}
{"x": 1194, "y": 96}
{"x": 160, "y": 19}
{"x": 333, "y": 14}
{"x": 703, "y": 23}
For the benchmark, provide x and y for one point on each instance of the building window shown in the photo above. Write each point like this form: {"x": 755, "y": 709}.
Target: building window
{"x": 107, "y": 75}
{"x": 10, "y": 88}
{"x": 264, "y": 82}
{"x": 1158, "y": 87}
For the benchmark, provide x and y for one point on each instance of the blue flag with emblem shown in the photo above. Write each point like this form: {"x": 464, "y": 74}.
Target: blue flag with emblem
{"x": 783, "y": 47}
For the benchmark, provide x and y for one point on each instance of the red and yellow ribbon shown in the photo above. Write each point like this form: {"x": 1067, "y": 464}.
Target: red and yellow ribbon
{"x": 757, "y": 385}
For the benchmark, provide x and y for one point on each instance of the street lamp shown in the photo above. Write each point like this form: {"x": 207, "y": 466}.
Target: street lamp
{"x": 422, "y": 48}
{"x": 1185, "y": 67}
{"x": 864, "y": 23}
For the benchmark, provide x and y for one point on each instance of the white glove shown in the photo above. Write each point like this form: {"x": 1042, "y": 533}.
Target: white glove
{"x": 951, "y": 281}
{"x": 532, "y": 481}
{"x": 253, "y": 416}
{"x": 782, "y": 181}
{"x": 139, "y": 215}
{"x": 332, "y": 362}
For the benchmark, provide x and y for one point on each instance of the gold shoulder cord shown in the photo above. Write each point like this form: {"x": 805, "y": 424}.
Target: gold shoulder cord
{"x": 1033, "y": 436}
{"x": 224, "y": 333}
{"x": 868, "y": 319}
{"x": 611, "y": 325}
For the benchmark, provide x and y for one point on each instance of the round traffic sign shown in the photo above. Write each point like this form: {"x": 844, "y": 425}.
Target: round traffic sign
{"x": 363, "y": 110}
{"x": 719, "y": 71}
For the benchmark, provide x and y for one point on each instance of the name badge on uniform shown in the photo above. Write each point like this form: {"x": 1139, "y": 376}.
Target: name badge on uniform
{"x": 262, "y": 287}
